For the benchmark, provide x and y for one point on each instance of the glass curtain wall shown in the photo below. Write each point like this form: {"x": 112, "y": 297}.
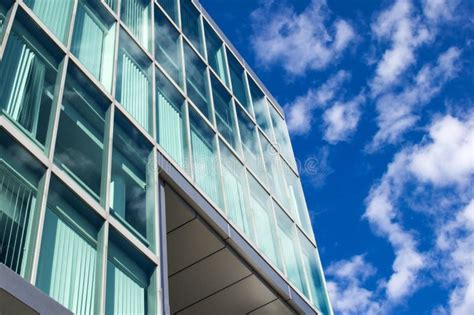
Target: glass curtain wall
{"x": 273, "y": 168}
{"x": 224, "y": 111}
{"x": 204, "y": 157}
{"x": 27, "y": 77}
{"x": 233, "y": 178}
{"x": 3, "y": 13}
{"x": 68, "y": 258}
{"x": 216, "y": 54}
{"x": 171, "y": 8}
{"x": 136, "y": 14}
{"x": 265, "y": 228}
{"x": 261, "y": 108}
{"x": 168, "y": 47}
{"x": 81, "y": 131}
{"x": 196, "y": 81}
{"x": 237, "y": 77}
{"x": 314, "y": 272}
{"x": 282, "y": 137}
{"x": 133, "y": 82}
{"x": 93, "y": 41}
{"x": 55, "y": 14}
{"x": 19, "y": 180}
{"x": 129, "y": 181}
{"x": 127, "y": 283}
{"x": 191, "y": 25}
{"x": 170, "y": 122}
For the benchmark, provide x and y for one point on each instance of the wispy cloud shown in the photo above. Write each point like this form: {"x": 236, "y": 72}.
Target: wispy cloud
{"x": 309, "y": 40}
{"x": 399, "y": 111}
{"x": 300, "y": 112}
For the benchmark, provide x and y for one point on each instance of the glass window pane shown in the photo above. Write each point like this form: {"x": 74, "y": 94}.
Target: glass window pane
{"x": 250, "y": 144}
{"x": 80, "y": 141}
{"x": 314, "y": 272}
{"x": 170, "y": 7}
{"x": 273, "y": 167}
{"x": 56, "y": 14}
{"x": 168, "y": 47}
{"x": 136, "y": 14}
{"x": 127, "y": 282}
{"x": 68, "y": 256}
{"x": 133, "y": 82}
{"x": 233, "y": 177}
{"x": 170, "y": 113}
{"x": 296, "y": 200}
{"x": 130, "y": 179}
{"x": 19, "y": 179}
{"x": 3, "y": 13}
{"x": 260, "y": 107}
{"x": 265, "y": 229}
{"x": 196, "y": 81}
{"x": 238, "y": 82}
{"x": 112, "y": 4}
{"x": 191, "y": 24}
{"x": 216, "y": 54}
{"x": 204, "y": 158}
{"x": 224, "y": 112}
{"x": 282, "y": 137}
{"x": 288, "y": 243}
{"x": 27, "y": 81}
{"x": 93, "y": 42}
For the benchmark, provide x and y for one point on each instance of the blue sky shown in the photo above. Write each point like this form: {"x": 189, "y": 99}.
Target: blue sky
{"x": 378, "y": 97}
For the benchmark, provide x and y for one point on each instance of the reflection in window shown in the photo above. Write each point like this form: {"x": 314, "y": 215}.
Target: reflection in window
{"x": 79, "y": 146}
{"x": 128, "y": 186}
{"x": 170, "y": 122}
{"x": 282, "y": 137}
{"x": 250, "y": 144}
{"x": 56, "y": 14}
{"x": 216, "y": 54}
{"x": 168, "y": 47}
{"x": 93, "y": 43}
{"x": 27, "y": 82}
{"x": 314, "y": 272}
{"x": 2, "y": 17}
{"x": 170, "y": 7}
{"x": 112, "y": 4}
{"x": 133, "y": 83}
{"x": 296, "y": 201}
{"x": 68, "y": 256}
{"x": 136, "y": 14}
{"x": 233, "y": 176}
{"x": 273, "y": 168}
{"x": 204, "y": 158}
{"x": 265, "y": 229}
{"x": 196, "y": 80}
{"x": 260, "y": 107}
{"x": 288, "y": 242}
{"x": 127, "y": 283}
{"x": 19, "y": 179}
{"x": 238, "y": 82}
{"x": 224, "y": 112}
{"x": 191, "y": 25}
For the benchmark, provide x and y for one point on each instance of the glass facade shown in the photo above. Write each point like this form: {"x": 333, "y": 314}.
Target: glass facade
{"x": 99, "y": 90}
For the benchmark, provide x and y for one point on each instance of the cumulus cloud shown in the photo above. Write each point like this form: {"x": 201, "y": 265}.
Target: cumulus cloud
{"x": 303, "y": 41}
{"x": 341, "y": 119}
{"x": 405, "y": 32}
{"x": 346, "y": 288}
{"x": 444, "y": 159}
{"x": 299, "y": 113}
{"x": 399, "y": 111}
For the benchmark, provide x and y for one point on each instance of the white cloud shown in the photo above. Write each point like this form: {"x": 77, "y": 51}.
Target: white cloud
{"x": 346, "y": 289}
{"x": 397, "y": 112}
{"x": 405, "y": 32}
{"x": 444, "y": 159}
{"x": 300, "y": 112}
{"x": 298, "y": 41}
{"x": 439, "y": 10}
{"x": 341, "y": 119}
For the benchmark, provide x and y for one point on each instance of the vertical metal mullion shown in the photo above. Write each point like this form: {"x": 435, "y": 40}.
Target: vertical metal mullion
{"x": 107, "y": 157}
{"x": 116, "y": 56}
{"x": 227, "y": 68}
{"x": 164, "y": 248}
{"x": 239, "y": 149}
{"x": 188, "y": 144}
{"x": 7, "y": 27}
{"x": 71, "y": 24}
{"x": 101, "y": 265}
{"x": 248, "y": 95}
{"x": 38, "y": 216}
{"x": 153, "y": 74}
{"x": 210, "y": 97}
{"x": 219, "y": 172}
